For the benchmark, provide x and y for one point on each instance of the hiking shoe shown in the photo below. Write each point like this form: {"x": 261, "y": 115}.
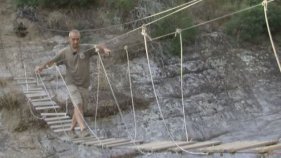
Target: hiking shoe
{"x": 85, "y": 133}
{"x": 72, "y": 135}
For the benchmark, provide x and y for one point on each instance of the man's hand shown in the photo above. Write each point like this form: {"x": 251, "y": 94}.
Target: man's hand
{"x": 38, "y": 69}
{"x": 103, "y": 50}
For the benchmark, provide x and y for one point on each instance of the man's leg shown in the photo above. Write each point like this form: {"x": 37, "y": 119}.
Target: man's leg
{"x": 78, "y": 116}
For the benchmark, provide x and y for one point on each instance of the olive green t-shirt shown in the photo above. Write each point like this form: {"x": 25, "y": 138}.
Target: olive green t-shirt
{"x": 77, "y": 64}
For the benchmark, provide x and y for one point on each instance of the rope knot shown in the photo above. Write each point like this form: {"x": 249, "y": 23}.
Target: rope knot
{"x": 178, "y": 31}
{"x": 96, "y": 48}
{"x": 126, "y": 47}
{"x": 143, "y": 32}
{"x": 265, "y": 4}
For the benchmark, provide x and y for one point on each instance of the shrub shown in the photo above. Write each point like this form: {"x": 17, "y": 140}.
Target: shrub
{"x": 250, "y": 25}
{"x": 54, "y": 4}
{"x": 9, "y": 102}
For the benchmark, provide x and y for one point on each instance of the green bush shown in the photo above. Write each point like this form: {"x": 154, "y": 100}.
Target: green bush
{"x": 170, "y": 24}
{"x": 250, "y": 25}
{"x": 54, "y": 3}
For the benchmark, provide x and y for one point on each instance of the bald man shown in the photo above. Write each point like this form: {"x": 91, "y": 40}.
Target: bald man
{"x": 76, "y": 58}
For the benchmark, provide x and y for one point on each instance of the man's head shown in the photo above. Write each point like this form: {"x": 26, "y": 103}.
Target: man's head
{"x": 74, "y": 39}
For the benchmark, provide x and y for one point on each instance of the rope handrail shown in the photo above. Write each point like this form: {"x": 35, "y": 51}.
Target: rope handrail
{"x": 209, "y": 21}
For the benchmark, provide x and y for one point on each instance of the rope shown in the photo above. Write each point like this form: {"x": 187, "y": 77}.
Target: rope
{"x": 28, "y": 100}
{"x": 156, "y": 97}
{"x": 98, "y": 89}
{"x": 131, "y": 91}
{"x": 265, "y": 4}
{"x": 117, "y": 104}
{"x": 113, "y": 94}
{"x": 136, "y": 29}
{"x": 179, "y": 31}
{"x": 209, "y": 21}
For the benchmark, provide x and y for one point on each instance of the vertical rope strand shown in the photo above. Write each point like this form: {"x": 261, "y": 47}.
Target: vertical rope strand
{"x": 265, "y": 5}
{"x": 98, "y": 89}
{"x": 179, "y": 31}
{"x": 131, "y": 91}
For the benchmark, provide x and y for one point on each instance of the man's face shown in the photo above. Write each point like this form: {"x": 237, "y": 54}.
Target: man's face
{"x": 74, "y": 40}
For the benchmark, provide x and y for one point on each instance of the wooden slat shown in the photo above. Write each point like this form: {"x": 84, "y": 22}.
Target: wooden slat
{"x": 40, "y": 99}
{"x": 166, "y": 146}
{"x": 99, "y": 141}
{"x": 36, "y": 95}
{"x": 65, "y": 129}
{"x": 56, "y": 118}
{"x": 267, "y": 149}
{"x": 32, "y": 92}
{"x": 113, "y": 142}
{"x": 237, "y": 146}
{"x": 47, "y": 107}
{"x": 151, "y": 144}
{"x": 58, "y": 122}
{"x": 28, "y": 82}
{"x": 53, "y": 114}
{"x": 45, "y": 103}
{"x": 195, "y": 146}
{"x": 125, "y": 143}
{"x": 82, "y": 139}
{"x": 24, "y": 78}
{"x": 60, "y": 126}
{"x": 88, "y": 139}
{"x": 32, "y": 89}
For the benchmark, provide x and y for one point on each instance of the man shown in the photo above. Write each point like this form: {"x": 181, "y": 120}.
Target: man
{"x": 76, "y": 58}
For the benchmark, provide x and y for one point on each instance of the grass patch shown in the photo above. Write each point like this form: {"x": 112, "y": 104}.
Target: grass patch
{"x": 9, "y": 102}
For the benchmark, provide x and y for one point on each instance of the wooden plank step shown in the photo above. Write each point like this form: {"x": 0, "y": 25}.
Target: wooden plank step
{"x": 167, "y": 145}
{"x": 151, "y": 144}
{"x": 125, "y": 143}
{"x": 28, "y": 82}
{"x": 46, "y": 103}
{"x": 41, "y": 99}
{"x": 83, "y": 141}
{"x": 34, "y": 92}
{"x": 65, "y": 129}
{"x": 24, "y": 78}
{"x": 267, "y": 149}
{"x": 236, "y": 146}
{"x": 47, "y": 107}
{"x": 32, "y": 89}
{"x": 36, "y": 95}
{"x": 113, "y": 142}
{"x": 58, "y": 122}
{"x": 56, "y": 118}
{"x": 84, "y": 138}
{"x": 54, "y": 114}
{"x": 60, "y": 126}
{"x": 195, "y": 146}
{"x": 98, "y": 141}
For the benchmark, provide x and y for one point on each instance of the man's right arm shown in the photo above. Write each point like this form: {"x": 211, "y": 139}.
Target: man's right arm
{"x": 58, "y": 59}
{"x": 40, "y": 68}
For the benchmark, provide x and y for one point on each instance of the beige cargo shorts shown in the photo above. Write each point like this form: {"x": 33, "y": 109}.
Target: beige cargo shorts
{"x": 78, "y": 95}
